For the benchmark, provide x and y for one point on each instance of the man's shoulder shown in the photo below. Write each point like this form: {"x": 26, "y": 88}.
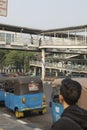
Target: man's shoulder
{"x": 65, "y": 123}
{"x": 61, "y": 124}
{"x": 72, "y": 122}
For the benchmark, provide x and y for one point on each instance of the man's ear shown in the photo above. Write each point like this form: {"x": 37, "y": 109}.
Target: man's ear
{"x": 61, "y": 99}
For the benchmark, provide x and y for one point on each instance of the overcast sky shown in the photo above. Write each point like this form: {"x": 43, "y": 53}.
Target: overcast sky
{"x": 46, "y": 14}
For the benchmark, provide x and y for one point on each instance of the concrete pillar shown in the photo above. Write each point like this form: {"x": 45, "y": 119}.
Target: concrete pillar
{"x": 85, "y": 36}
{"x": 50, "y": 70}
{"x": 56, "y": 73}
{"x": 43, "y": 64}
{"x": 34, "y": 70}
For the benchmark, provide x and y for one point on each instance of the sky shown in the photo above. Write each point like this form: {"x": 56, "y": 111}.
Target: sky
{"x": 46, "y": 14}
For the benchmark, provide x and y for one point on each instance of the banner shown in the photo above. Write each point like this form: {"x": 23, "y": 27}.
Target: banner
{"x": 3, "y": 7}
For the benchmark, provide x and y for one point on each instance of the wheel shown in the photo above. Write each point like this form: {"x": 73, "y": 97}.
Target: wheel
{"x": 18, "y": 114}
{"x": 42, "y": 111}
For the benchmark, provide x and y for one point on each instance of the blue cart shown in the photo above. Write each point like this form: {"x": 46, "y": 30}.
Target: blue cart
{"x": 57, "y": 110}
{"x": 56, "y": 107}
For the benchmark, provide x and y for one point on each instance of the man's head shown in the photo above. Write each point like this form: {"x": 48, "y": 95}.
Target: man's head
{"x": 70, "y": 90}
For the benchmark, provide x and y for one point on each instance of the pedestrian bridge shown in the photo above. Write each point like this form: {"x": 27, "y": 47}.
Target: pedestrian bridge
{"x": 65, "y": 40}
{"x": 23, "y": 41}
{"x": 13, "y": 37}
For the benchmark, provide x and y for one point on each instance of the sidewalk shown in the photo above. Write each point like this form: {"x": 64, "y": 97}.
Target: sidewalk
{"x": 7, "y": 123}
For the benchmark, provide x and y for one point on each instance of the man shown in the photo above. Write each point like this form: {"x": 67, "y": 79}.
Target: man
{"x": 73, "y": 117}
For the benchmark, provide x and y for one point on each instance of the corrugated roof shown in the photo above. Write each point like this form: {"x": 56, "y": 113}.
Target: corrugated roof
{"x": 19, "y": 29}
{"x": 49, "y": 32}
{"x": 66, "y": 29}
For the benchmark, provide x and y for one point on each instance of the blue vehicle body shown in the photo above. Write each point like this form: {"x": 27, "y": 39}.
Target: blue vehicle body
{"x": 33, "y": 101}
{"x": 57, "y": 110}
{"x": 1, "y": 95}
{"x": 2, "y": 82}
{"x": 56, "y": 107}
{"x": 25, "y": 94}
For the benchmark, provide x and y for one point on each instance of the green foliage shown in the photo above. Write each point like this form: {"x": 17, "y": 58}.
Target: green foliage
{"x": 3, "y": 54}
{"x": 16, "y": 58}
{"x": 13, "y": 58}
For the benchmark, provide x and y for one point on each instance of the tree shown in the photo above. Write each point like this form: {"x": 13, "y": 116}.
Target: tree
{"x": 15, "y": 58}
{"x": 3, "y": 54}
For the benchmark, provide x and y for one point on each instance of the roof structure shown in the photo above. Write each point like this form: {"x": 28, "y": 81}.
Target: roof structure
{"x": 64, "y": 32}
{"x": 66, "y": 29}
{"x": 19, "y": 29}
{"x": 49, "y": 32}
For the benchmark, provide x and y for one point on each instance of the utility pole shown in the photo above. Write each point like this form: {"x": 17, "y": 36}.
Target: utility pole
{"x": 43, "y": 64}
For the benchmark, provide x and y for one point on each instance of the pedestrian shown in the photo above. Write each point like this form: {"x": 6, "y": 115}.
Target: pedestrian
{"x": 73, "y": 117}
{"x": 31, "y": 40}
{"x": 40, "y": 41}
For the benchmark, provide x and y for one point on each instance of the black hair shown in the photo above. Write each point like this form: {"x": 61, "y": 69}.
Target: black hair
{"x": 70, "y": 90}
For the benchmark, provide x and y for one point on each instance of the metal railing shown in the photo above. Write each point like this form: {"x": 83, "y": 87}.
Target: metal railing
{"x": 19, "y": 39}
{"x": 55, "y": 65}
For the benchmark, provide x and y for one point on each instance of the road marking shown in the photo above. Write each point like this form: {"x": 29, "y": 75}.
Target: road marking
{"x": 37, "y": 129}
{"x": 22, "y": 122}
{"x": 6, "y": 115}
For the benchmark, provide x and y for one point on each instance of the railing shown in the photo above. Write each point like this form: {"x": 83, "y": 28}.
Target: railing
{"x": 54, "y": 65}
{"x": 64, "y": 42}
{"x": 19, "y": 39}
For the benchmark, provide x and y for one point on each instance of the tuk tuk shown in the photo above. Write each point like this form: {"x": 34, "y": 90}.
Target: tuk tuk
{"x": 24, "y": 93}
{"x": 56, "y": 107}
{"x": 2, "y": 84}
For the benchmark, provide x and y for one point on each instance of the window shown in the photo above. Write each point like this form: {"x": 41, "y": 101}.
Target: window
{"x": 9, "y": 88}
{"x": 2, "y": 37}
{"x": 8, "y": 38}
{"x": 33, "y": 86}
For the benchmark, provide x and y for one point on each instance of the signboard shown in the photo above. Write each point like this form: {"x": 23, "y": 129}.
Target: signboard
{"x": 3, "y": 7}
